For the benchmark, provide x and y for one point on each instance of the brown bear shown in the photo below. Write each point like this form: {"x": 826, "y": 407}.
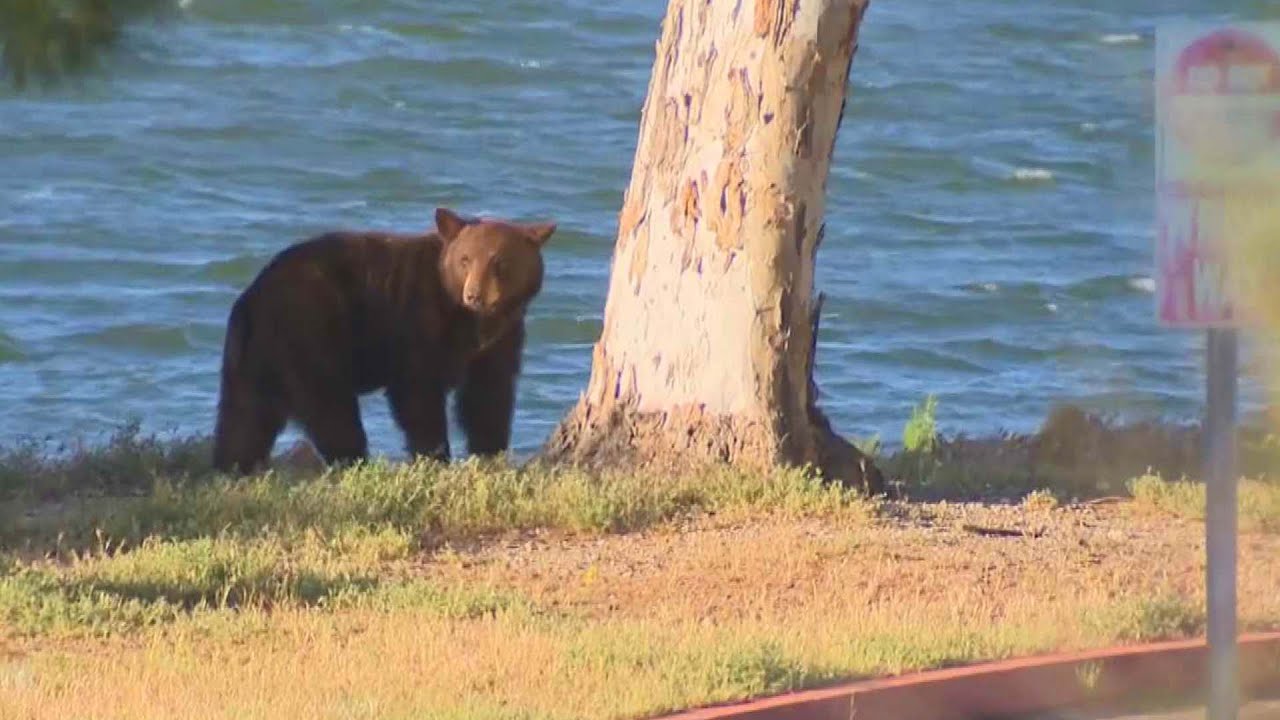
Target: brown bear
{"x": 346, "y": 313}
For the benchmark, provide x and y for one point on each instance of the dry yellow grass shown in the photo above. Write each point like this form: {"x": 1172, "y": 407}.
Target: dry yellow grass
{"x": 1259, "y": 500}
{"x": 684, "y": 613}
{"x": 138, "y": 585}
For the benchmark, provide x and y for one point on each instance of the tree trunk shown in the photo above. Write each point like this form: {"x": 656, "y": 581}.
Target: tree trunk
{"x": 710, "y": 325}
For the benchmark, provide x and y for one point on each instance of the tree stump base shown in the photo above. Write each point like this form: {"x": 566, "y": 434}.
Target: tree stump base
{"x": 620, "y": 437}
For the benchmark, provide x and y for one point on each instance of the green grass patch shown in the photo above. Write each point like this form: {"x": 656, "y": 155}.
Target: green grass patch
{"x": 1075, "y": 455}
{"x": 289, "y": 595}
{"x": 433, "y": 500}
{"x": 1258, "y": 508}
{"x": 920, "y": 434}
{"x": 1147, "y": 619}
{"x": 119, "y": 590}
{"x": 128, "y": 463}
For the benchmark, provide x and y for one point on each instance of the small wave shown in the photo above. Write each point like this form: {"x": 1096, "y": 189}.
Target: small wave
{"x": 561, "y": 331}
{"x": 10, "y": 350}
{"x": 1121, "y": 38}
{"x": 1089, "y": 127}
{"x": 910, "y": 163}
{"x": 1032, "y": 174}
{"x": 367, "y": 30}
{"x": 1143, "y": 284}
{"x": 235, "y": 271}
{"x": 1106, "y": 287}
{"x": 985, "y": 287}
{"x": 997, "y": 350}
{"x": 387, "y": 176}
{"x": 45, "y": 192}
{"x": 897, "y": 86}
{"x": 429, "y": 33}
{"x": 1051, "y": 307}
{"x": 938, "y": 220}
{"x": 142, "y": 337}
{"x": 255, "y": 12}
{"x": 530, "y": 64}
{"x": 920, "y": 358}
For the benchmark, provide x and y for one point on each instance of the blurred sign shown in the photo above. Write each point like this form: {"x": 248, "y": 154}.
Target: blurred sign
{"x": 1217, "y": 168}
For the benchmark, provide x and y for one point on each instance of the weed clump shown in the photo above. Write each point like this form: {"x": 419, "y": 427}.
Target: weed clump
{"x": 430, "y": 500}
{"x": 1259, "y": 500}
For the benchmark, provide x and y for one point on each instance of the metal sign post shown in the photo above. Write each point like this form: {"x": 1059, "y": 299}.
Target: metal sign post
{"x": 1217, "y": 184}
{"x": 1220, "y": 524}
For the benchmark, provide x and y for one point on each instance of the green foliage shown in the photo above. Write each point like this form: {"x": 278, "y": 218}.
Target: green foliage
{"x": 141, "y": 531}
{"x": 716, "y": 665}
{"x": 127, "y": 464}
{"x": 1259, "y": 500}
{"x": 1076, "y": 455}
{"x": 871, "y": 446}
{"x": 35, "y": 601}
{"x": 140, "y": 539}
{"x": 1040, "y": 499}
{"x": 48, "y": 39}
{"x": 1147, "y": 619}
{"x": 112, "y": 590}
{"x": 763, "y": 669}
{"x": 920, "y": 434}
{"x": 917, "y": 461}
{"x": 155, "y": 488}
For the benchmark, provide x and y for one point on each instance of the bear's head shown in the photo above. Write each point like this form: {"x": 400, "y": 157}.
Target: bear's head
{"x": 491, "y": 267}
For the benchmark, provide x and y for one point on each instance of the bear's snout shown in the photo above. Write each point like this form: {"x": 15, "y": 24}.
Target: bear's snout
{"x": 474, "y": 297}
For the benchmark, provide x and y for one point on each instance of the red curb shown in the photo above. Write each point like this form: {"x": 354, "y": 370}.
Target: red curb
{"x": 1020, "y": 686}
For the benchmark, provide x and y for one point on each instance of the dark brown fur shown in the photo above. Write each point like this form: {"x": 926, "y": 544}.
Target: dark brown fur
{"x": 348, "y": 313}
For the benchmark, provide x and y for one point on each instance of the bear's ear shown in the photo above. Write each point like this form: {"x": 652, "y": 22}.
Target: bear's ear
{"x": 540, "y": 233}
{"x": 448, "y": 223}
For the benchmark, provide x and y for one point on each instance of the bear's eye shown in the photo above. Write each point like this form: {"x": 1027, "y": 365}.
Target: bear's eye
{"x": 465, "y": 261}
{"x": 498, "y": 268}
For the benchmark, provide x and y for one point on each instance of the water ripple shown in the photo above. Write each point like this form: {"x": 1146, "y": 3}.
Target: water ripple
{"x": 147, "y": 339}
{"x": 10, "y": 349}
{"x": 988, "y": 219}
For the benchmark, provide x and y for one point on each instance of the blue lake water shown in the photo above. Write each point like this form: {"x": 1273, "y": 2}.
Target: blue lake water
{"x": 989, "y": 217}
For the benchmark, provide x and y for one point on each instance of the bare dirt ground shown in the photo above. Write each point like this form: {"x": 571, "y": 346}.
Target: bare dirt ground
{"x": 706, "y": 610}
{"x": 936, "y": 553}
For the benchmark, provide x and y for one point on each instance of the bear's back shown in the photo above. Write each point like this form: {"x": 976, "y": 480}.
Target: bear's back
{"x": 345, "y": 292}
{"x": 354, "y": 265}
{"x": 349, "y": 252}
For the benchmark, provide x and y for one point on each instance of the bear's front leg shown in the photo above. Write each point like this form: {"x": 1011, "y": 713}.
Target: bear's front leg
{"x": 419, "y": 409}
{"x": 487, "y": 397}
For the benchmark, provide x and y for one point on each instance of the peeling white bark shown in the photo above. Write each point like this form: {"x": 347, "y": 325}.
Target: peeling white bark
{"x": 708, "y": 321}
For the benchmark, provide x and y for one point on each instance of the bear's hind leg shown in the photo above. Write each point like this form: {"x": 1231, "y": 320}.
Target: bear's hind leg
{"x": 334, "y": 427}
